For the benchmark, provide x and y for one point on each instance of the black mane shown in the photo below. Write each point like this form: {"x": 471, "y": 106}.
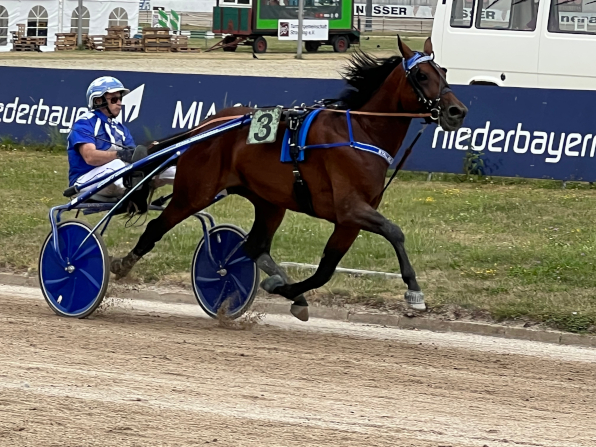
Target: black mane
{"x": 364, "y": 75}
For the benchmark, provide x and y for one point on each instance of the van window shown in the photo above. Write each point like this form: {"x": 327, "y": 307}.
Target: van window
{"x": 462, "y": 12}
{"x": 575, "y": 16}
{"x": 516, "y": 15}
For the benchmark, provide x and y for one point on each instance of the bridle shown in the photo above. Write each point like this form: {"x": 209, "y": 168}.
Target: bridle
{"x": 411, "y": 67}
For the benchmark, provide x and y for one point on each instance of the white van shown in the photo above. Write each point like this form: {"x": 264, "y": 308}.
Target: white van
{"x": 517, "y": 43}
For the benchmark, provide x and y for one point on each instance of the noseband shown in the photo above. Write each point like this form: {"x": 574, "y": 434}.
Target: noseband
{"x": 411, "y": 67}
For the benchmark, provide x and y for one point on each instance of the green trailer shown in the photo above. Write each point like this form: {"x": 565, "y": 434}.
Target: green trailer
{"x": 249, "y": 22}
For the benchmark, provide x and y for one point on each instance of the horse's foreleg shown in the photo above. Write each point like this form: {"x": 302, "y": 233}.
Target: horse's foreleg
{"x": 338, "y": 244}
{"x": 371, "y": 220}
{"x": 171, "y": 216}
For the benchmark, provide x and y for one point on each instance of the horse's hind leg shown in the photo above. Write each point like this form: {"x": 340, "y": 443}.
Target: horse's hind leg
{"x": 174, "y": 213}
{"x": 338, "y": 244}
{"x": 268, "y": 218}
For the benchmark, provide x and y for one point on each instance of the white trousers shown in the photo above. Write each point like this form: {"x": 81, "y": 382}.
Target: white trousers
{"x": 117, "y": 189}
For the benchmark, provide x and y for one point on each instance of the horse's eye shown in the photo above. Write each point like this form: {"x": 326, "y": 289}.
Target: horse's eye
{"x": 421, "y": 76}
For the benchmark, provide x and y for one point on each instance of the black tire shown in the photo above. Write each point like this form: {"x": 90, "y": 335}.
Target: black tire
{"x": 341, "y": 44}
{"x": 227, "y": 40}
{"x": 259, "y": 45}
{"x": 312, "y": 47}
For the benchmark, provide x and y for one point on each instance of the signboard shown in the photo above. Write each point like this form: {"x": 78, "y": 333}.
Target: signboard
{"x": 421, "y": 12}
{"x": 270, "y": 12}
{"x": 517, "y": 132}
{"x": 144, "y": 5}
{"x": 311, "y": 30}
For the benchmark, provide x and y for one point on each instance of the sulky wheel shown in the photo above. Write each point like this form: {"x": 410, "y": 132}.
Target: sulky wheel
{"x": 228, "y": 274}
{"x": 74, "y": 280}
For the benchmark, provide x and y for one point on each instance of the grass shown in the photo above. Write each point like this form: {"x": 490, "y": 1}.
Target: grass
{"x": 512, "y": 249}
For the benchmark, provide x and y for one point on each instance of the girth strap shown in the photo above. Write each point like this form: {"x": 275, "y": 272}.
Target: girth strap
{"x": 301, "y": 191}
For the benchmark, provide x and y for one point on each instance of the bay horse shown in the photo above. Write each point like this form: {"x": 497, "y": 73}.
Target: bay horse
{"x": 346, "y": 184}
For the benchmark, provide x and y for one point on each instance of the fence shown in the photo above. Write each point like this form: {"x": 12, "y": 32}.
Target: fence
{"x": 393, "y": 25}
{"x": 204, "y": 20}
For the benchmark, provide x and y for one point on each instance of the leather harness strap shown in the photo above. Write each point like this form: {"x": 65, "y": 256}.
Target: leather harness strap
{"x": 356, "y": 112}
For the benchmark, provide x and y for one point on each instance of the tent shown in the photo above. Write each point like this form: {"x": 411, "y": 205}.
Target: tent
{"x": 48, "y": 17}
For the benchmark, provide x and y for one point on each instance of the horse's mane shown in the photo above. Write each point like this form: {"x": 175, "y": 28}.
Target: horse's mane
{"x": 364, "y": 75}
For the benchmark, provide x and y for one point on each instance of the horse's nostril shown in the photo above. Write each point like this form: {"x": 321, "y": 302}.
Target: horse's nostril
{"x": 457, "y": 111}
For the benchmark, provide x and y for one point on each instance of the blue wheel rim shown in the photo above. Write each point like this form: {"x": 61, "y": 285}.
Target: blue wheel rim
{"x": 212, "y": 285}
{"x": 72, "y": 293}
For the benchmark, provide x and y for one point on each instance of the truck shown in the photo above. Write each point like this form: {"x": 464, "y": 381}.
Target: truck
{"x": 250, "y": 22}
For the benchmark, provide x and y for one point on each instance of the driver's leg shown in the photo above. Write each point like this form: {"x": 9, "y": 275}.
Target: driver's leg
{"x": 115, "y": 189}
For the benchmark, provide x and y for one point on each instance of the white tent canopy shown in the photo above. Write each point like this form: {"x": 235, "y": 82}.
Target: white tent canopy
{"x": 48, "y": 17}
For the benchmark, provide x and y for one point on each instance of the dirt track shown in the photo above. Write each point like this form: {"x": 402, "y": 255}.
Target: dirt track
{"x": 153, "y": 376}
{"x": 241, "y": 64}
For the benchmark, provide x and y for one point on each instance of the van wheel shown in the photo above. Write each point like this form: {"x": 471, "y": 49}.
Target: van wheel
{"x": 340, "y": 44}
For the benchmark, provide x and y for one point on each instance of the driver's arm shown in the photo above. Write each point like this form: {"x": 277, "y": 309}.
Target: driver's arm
{"x": 95, "y": 157}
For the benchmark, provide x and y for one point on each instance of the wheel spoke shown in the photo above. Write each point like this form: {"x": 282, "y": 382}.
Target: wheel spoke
{"x": 90, "y": 278}
{"x": 49, "y": 282}
{"x": 55, "y": 254}
{"x": 70, "y": 301}
{"x": 239, "y": 285}
{"x": 241, "y": 259}
{"x": 66, "y": 239}
{"x": 220, "y": 298}
{"x": 85, "y": 253}
{"x": 203, "y": 279}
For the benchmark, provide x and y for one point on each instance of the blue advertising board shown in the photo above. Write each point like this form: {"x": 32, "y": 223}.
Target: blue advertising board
{"x": 531, "y": 133}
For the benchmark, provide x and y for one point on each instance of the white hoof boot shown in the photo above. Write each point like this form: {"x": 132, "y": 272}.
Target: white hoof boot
{"x": 300, "y": 312}
{"x": 271, "y": 283}
{"x": 415, "y": 300}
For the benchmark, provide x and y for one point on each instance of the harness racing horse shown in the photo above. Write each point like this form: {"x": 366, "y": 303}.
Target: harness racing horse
{"x": 346, "y": 184}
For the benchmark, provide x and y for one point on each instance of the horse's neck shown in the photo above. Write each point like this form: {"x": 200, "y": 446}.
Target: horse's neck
{"x": 385, "y": 132}
{"x": 388, "y": 133}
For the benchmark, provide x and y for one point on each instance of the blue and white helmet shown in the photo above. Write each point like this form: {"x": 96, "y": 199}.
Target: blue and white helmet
{"x": 101, "y": 86}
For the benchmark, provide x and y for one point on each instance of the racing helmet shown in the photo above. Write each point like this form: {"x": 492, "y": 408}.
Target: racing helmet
{"x": 101, "y": 86}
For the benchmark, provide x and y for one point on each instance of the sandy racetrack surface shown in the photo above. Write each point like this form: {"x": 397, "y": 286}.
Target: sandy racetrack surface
{"x": 137, "y": 376}
{"x": 283, "y": 66}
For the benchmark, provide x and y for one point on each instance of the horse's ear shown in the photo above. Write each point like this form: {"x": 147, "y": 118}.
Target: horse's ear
{"x": 404, "y": 49}
{"x": 428, "y": 47}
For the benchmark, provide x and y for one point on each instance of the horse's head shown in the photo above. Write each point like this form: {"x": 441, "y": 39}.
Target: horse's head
{"x": 429, "y": 90}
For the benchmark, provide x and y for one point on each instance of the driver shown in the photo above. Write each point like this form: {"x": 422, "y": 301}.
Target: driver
{"x": 99, "y": 143}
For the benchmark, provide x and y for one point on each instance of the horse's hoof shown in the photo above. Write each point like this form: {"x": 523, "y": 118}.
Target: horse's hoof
{"x": 300, "y": 312}
{"x": 415, "y": 300}
{"x": 272, "y": 283}
{"x": 117, "y": 268}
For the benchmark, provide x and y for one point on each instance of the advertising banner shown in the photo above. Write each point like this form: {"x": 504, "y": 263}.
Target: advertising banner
{"x": 516, "y": 132}
{"x": 311, "y": 30}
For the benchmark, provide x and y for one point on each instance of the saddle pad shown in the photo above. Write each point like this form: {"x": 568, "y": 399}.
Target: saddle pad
{"x": 302, "y": 134}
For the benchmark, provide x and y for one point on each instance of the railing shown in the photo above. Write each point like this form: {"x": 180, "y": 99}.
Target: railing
{"x": 204, "y": 20}
{"x": 390, "y": 24}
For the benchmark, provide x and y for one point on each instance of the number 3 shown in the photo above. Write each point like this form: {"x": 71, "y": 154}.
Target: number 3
{"x": 264, "y": 120}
